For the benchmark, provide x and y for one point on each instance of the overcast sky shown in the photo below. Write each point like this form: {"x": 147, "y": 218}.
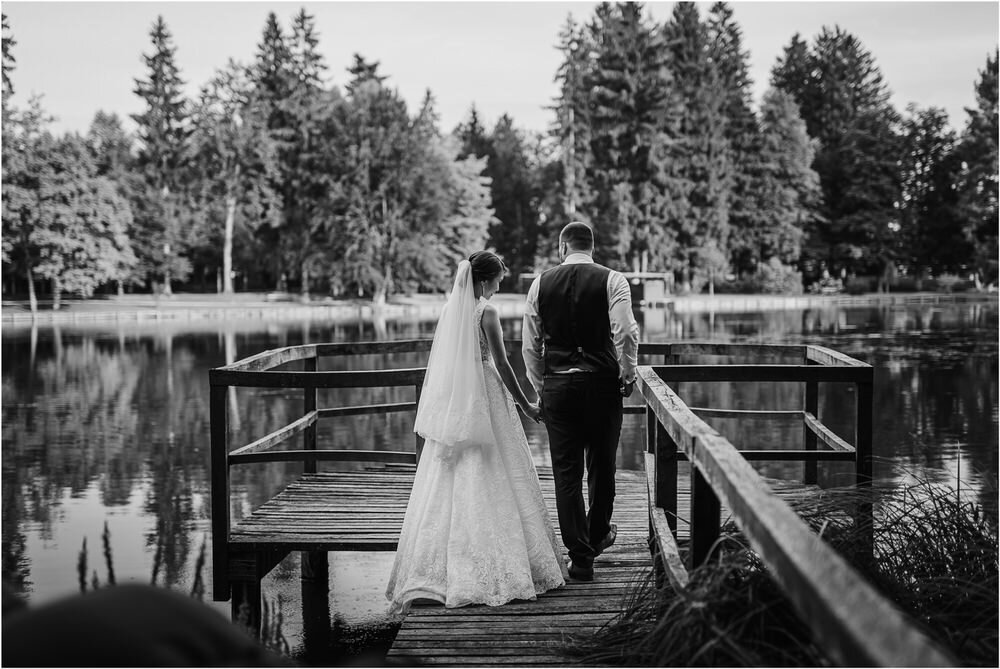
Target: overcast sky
{"x": 500, "y": 56}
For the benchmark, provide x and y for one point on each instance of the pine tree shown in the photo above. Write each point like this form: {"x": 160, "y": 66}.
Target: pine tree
{"x": 163, "y": 129}
{"x": 309, "y": 107}
{"x": 274, "y": 77}
{"x": 572, "y": 127}
{"x": 630, "y": 117}
{"x": 978, "y": 182}
{"x": 788, "y": 194}
{"x": 845, "y": 104}
{"x": 473, "y": 136}
{"x": 742, "y": 135}
{"x": 792, "y": 74}
{"x": 931, "y": 235}
{"x": 8, "y": 64}
{"x": 425, "y": 253}
{"x": 307, "y": 64}
{"x": 110, "y": 146}
{"x": 701, "y": 162}
{"x": 273, "y": 74}
{"x": 363, "y": 73}
{"x": 515, "y": 233}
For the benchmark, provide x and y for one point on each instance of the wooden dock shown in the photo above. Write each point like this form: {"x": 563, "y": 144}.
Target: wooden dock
{"x": 679, "y": 517}
{"x": 532, "y": 633}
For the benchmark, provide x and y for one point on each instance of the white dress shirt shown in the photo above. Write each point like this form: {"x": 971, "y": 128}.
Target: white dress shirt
{"x": 624, "y": 329}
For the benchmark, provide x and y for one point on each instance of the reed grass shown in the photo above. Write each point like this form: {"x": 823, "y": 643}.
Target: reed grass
{"x": 272, "y": 635}
{"x": 81, "y": 566}
{"x": 198, "y": 585}
{"x": 106, "y": 542}
{"x": 934, "y": 555}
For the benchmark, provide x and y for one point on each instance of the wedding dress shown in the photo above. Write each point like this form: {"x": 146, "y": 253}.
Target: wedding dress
{"x": 476, "y": 528}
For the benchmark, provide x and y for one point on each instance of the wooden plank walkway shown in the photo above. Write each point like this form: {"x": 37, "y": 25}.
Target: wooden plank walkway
{"x": 363, "y": 510}
{"x": 533, "y": 632}
{"x": 331, "y": 511}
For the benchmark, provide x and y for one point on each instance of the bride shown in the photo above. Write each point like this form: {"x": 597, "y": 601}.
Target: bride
{"x": 476, "y": 529}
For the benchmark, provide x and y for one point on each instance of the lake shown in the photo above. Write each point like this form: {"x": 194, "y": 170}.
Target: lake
{"x": 108, "y": 423}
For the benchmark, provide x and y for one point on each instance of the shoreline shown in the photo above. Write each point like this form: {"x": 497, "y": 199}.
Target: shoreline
{"x": 192, "y": 307}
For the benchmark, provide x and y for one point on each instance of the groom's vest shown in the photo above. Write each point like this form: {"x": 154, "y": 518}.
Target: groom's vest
{"x": 573, "y": 308}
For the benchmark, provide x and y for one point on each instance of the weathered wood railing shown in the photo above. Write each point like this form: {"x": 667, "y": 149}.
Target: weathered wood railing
{"x": 850, "y": 620}
{"x": 259, "y": 371}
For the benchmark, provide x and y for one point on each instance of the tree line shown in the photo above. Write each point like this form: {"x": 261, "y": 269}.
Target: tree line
{"x": 280, "y": 180}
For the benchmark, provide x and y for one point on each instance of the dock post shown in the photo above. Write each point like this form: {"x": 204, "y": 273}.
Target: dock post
{"x": 245, "y": 576}
{"x": 315, "y": 581}
{"x": 308, "y": 405}
{"x": 864, "y": 424}
{"x": 219, "y": 446}
{"x": 315, "y": 566}
{"x": 812, "y": 406}
{"x": 666, "y": 475}
{"x": 705, "y": 510}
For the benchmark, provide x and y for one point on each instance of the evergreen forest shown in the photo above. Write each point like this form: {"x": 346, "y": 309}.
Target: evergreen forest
{"x": 275, "y": 179}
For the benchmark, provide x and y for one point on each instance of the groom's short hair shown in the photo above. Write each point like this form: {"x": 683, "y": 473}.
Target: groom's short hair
{"x": 578, "y": 236}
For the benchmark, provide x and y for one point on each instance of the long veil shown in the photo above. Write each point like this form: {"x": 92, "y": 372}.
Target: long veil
{"x": 453, "y": 408}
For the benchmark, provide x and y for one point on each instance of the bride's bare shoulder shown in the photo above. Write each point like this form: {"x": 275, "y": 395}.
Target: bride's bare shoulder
{"x": 490, "y": 314}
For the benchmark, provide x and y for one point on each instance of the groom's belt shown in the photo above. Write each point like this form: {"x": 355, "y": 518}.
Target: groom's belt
{"x": 595, "y": 373}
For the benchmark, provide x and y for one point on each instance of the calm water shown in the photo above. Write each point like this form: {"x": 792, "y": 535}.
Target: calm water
{"x": 109, "y": 424}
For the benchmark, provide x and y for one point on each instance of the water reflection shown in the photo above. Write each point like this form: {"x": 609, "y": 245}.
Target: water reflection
{"x": 104, "y": 422}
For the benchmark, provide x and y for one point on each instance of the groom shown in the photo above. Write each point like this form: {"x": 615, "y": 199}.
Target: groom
{"x": 579, "y": 345}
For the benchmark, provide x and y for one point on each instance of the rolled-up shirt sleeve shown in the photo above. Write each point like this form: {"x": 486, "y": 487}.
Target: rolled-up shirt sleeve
{"x": 624, "y": 329}
{"x": 532, "y": 343}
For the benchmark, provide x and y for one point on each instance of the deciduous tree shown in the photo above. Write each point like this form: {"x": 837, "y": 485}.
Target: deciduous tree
{"x": 236, "y": 162}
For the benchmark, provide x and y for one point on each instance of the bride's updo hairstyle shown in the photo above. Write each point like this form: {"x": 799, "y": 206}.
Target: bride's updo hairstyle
{"x": 486, "y": 266}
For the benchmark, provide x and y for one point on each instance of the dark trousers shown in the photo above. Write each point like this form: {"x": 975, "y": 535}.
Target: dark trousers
{"x": 583, "y": 416}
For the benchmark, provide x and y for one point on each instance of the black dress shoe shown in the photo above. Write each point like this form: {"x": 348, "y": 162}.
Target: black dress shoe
{"x": 607, "y": 541}
{"x": 581, "y": 572}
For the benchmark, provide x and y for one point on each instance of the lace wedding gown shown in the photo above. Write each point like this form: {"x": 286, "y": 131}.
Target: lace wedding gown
{"x": 476, "y": 529}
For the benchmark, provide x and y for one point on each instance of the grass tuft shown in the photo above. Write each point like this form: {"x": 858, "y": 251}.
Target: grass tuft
{"x": 934, "y": 555}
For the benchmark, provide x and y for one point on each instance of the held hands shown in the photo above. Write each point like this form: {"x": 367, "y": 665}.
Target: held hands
{"x": 627, "y": 388}
{"x": 533, "y": 411}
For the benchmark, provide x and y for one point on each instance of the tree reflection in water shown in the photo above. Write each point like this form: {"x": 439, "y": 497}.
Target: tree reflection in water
{"x": 111, "y": 422}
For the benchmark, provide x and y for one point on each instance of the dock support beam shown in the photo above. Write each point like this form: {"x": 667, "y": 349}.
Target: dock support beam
{"x": 245, "y": 574}
{"x": 315, "y": 577}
